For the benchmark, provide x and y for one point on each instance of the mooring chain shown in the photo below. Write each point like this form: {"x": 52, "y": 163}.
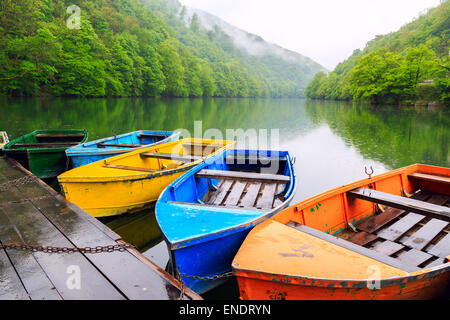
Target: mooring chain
{"x": 17, "y": 182}
{"x": 219, "y": 276}
{"x": 51, "y": 249}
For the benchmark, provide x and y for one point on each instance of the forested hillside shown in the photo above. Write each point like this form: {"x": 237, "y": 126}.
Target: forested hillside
{"x": 131, "y": 48}
{"x": 392, "y": 68}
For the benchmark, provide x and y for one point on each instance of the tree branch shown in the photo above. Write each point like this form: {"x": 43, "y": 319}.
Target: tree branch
{"x": 19, "y": 75}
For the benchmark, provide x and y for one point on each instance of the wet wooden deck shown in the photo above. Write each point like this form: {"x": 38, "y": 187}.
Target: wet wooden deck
{"x": 34, "y": 214}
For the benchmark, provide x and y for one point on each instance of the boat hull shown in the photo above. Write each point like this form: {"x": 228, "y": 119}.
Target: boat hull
{"x": 203, "y": 260}
{"x": 110, "y": 198}
{"x": 212, "y": 258}
{"x": 45, "y": 163}
{"x": 208, "y": 259}
{"x": 275, "y": 287}
{"x": 80, "y": 156}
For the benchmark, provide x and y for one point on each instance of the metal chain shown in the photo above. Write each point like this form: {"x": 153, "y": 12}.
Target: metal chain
{"x": 181, "y": 275}
{"x": 17, "y": 182}
{"x": 219, "y": 276}
{"x": 51, "y": 249}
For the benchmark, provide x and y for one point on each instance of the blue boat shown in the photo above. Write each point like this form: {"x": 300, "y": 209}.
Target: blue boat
{"x": 89, "y": 152}
{"x": 205, "y": 215}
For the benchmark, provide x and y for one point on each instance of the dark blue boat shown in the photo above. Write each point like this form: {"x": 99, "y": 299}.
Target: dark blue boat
{"x": 108, "y": 147}
{"x": 206, "y": 214}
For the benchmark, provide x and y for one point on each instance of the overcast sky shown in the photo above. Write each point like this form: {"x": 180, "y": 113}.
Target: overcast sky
{"x": 325, "y": 30}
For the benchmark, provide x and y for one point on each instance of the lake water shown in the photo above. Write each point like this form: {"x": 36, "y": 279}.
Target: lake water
{"x": 332, "y": 141}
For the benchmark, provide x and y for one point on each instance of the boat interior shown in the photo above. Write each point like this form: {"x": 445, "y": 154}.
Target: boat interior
{"x": 163, "y": 157}
{"x": 250, "y": 182}
{"x": 49, "y": 140}
{"x": 128, "y": 141}
{"x": 408, "y": 231}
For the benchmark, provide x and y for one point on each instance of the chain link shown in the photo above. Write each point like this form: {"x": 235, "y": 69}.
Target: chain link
{"x": 219, "y": 276}
{"x": 17, "y": 182}
{"x": 51, "y": 249}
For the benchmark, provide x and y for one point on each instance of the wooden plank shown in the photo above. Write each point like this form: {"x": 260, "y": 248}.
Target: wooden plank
{"x": 202, "y": 145}
{"x": 421, "y": 238}
{"x": 128, "y": 274}
{"x": 442, "y": 248}
{"x": 387, "y": 247}
{"x": 35, "y": 229}
{"x": 408, "y": 204}
{"x": 152, "y": 135}
{"x": 414, "y": 257}
{"x": 430, "y": 177}
{"x": 120, "y": 145}
{"x": 112, "y": 166}
{"x": 32, "y": 276}
{"x": 45, "y": 145}
{"x": 439, "y": 199}
{"x": 62, "y": 135}
{"x": 398, "y": 229}
{"x": 354, "y": 247}
{"x": 363, "y": 238}
{"x": 168, "y": 156}
{"x": 267, "y": 197}
{"x": 251, "y": 195}
{"x": 216, "y": 206}
{"x": 246, "y": 176}
{"x": 11, "y": 287}
{"x": 235, "y": 193}
{"x": 252, "y": 159}
{"x": 377, "y": 222}
{"x": 435, "y": 263}
{"x": 221, "y": 193}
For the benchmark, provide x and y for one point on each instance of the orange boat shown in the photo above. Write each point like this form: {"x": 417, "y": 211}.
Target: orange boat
{"x": 386, "y": 237}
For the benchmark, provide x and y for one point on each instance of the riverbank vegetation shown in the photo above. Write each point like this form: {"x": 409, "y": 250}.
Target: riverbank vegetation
{"x": 402, "y": 67}
{"x": 131, "y": 48}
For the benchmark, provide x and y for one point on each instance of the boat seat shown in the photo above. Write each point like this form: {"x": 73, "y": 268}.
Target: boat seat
{"x": 244, "y": 176}
{"x": 67, "y": 136}
{"x": 152, "y": 135}
{"x": 120, "y": 145}
{"x": 407, "y": 204}
{"x": 45, "y": 144}
{"x": 169, "y": 156}
{"x": 429, "y": 177}
{"x": 410, "y": 237}
{"x": 396, "y": 263}
{"x": 111, "y": 166}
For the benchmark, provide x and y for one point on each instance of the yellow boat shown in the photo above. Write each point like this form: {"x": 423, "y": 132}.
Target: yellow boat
{"x": 133, "y": 180}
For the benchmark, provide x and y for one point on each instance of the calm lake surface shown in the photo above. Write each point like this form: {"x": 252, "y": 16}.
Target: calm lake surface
{"x": 331, "y": 141}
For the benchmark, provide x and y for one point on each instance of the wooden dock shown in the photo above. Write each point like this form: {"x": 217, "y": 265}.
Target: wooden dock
{"x": 32, "y": 213}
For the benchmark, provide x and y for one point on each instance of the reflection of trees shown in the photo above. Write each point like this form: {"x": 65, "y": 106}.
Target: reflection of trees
{"x": 103, "y": 117}
{"x": 393, "y": 136}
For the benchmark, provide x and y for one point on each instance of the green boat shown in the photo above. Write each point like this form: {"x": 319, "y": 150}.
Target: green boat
{"x": 43, "y": 151}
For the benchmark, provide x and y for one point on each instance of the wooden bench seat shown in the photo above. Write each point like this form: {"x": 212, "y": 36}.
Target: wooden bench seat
{"x": 245, "y": 176}
{"x": 169, "y": 156}
{"x": 45, "y": 144}
{"x": 407, "y": 204}
{"x": 67, "y": 136}
{"x": 120, "y": 145}
{"x": 429, "y": 177}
